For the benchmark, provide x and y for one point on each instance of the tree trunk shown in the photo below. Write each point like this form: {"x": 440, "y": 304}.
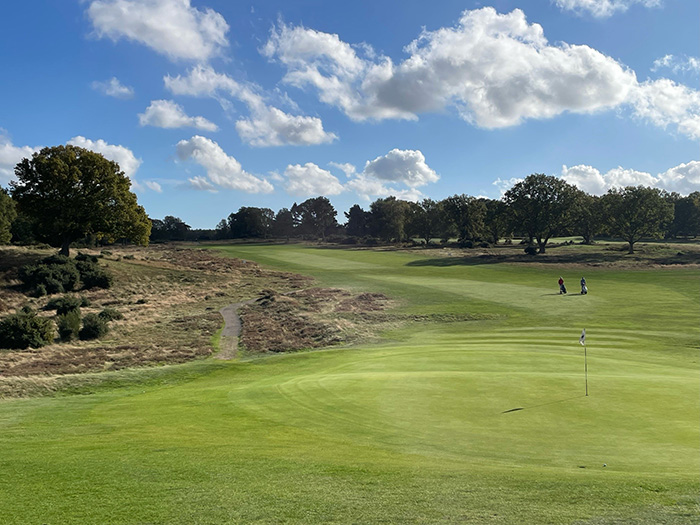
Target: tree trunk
{"x": 631, "y": 250}
{"x": 65, "y": 248}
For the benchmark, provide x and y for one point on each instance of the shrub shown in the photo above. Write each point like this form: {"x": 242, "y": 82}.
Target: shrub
{"x": 86, "y": 257}
{"x": 94, "y": 327}
{"x": 484, "y": 244}
{"x": 111, "y": 314}
{"x": 94, "y": 276}
{"x": 69, "y": 325}
{"x": 84, "y": 301}
{"x": 65, "y": 304}
{"x": 466, "y": 244}
{"x": 25, "y": 329}
{"x": 56, "y": 275}
{"x": 531, "y": 250}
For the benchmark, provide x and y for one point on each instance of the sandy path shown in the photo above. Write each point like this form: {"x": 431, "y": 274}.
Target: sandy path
{"x": 231, "y": 331}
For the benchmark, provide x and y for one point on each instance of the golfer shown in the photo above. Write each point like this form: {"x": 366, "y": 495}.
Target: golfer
{"x": 562, "y": 288}
{"x": 584, "y": 288}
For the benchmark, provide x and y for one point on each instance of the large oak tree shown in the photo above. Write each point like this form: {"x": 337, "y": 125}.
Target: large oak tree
{"x": 71, "y": 192}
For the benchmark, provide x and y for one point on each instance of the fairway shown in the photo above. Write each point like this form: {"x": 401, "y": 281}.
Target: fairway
{"x": 441, "y": 422}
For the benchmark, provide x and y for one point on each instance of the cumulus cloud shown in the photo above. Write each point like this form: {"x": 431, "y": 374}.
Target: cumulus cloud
{"x": 267, "y": 125}
{"x": 10, "y": 155}
{"x": 684, "y": 178}
{"x": 406, "y": 166}
{"x": 602, "y": 8}
{"x": 113, "y": 88}
{"x": 270, "y": 126}
{"x": 504, "y": 185}
{"x": 665, "y": 103}
{"x": 171, "y": 27}
{"x": 122, "y": 155}
{"x": 346, "y": 168}
{"x": 168, "y": 114}
{"x": 153, "y": 185}
{"x": 494, "y": 70}
{"x": 677, "y": 65}
{"x": 369, "y": 188}
{"x": 309, "y": 179}
{"x": 222, "y": 170}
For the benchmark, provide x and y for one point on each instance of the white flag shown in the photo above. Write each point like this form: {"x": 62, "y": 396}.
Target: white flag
{"x": 582, "y": 340}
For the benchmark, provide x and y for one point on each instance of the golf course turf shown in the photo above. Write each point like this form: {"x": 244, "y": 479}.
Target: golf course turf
{"x": 476, "y": 421}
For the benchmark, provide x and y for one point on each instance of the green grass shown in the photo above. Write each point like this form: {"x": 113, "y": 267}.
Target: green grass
{"x": 414, "y": 430}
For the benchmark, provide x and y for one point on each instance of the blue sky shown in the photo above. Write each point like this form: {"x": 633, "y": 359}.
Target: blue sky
{"x": 213, "y": 105}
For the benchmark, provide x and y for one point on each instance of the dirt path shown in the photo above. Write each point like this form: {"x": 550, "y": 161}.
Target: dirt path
{"x": 231, "y": 331}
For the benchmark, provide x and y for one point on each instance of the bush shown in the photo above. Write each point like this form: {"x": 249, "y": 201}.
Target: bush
{"x": 466, "y": 244}
{"x": 94, "y": 327}
{"x": 111, "y": 314}
{"x": 69, "y": 325}
{"x": 86, "y": 257}
{"x": 94, "y": 276}
{"x": 25, "y": 329}
{"x": 531, "y": 250}
{"x": 65, "y": 304}
{"x": 55, "y": 274}
{"x": 484, "y": 245}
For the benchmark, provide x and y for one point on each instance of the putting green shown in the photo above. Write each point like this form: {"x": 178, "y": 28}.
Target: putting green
{"x": 481, "y": 421}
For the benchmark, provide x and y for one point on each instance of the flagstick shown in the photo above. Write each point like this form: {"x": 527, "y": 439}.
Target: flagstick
{"x": 585, "y": 367}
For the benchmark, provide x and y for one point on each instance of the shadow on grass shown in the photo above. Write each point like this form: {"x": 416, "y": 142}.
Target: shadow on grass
{"x": 565, "y": 258}
{"x": 517, "y": 409}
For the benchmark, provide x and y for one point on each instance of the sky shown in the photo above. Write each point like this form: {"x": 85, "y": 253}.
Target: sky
{"x": 211, "y": 105}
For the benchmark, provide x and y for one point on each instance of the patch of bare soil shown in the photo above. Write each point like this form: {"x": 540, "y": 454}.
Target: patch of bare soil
{"x": 308, "y": 318}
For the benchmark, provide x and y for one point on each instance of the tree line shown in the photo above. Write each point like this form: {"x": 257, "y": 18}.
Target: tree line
{"x": 66, "y": 194}
{"x": 536, "y": 209}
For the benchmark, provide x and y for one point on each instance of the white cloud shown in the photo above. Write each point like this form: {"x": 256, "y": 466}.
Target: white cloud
{"x": 504, "y": 185}
{"x": 202, "y": 184}
{"x": 309, "y": 180}
{"x": 677, "y": 64}
{"x": 406, "y": 166}
{"x": 494, "y": 70}
{"x": 273, "y": 127}
{"x": 168, "y": 114}
{"x": 602, "y": 8}
{"x": 666, "y": 103}
{"x": 369, "y": 188}
{"x": 684, "y": 178}
{"x": 153, "y": 185}
{"x": 267, "y": 125}
{"x": 222, "y": 170}
{"x": 171, "y": 27}
{"x": 113, "y": 88}
{"x": 119, "y": 154}
{"x": 346, "y": 168}
{"x": 10, "y": 155}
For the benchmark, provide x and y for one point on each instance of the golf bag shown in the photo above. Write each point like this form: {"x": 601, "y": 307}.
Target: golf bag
{"x": 562, "y": 288}
{"x": 584, "y": 289}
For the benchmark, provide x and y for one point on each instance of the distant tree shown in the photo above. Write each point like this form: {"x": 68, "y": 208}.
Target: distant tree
{"x": 222, "y": 230}
{"x": 176, "y": 229}
{"x": 466, "y": 214}
{"x": 588, "y": 216}
{"x": 284, "y": 224}
{"x": 316, "y": 216}
{"x": 634, "y": 213}
{"x": 542, "y": 206}
{"x": 686, "y": 218}
{"x": 72, "y": 192}
{"x": 7, "y": 216}
{"x": 426, "y": 219}
{"x": 495, "y": 220}
{"x": 251, "y": 222}
{"x": 357, "y": 219}
{"x": 388, "y": 219}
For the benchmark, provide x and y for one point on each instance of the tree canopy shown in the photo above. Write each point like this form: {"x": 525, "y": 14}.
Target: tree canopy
{"x": 72, "y": 192}
{"x": 7, "y": 215}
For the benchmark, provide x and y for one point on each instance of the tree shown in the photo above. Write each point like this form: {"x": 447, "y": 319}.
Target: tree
{"x": 467, "y": 216}
{"x": 686, "y": 218}
{"x": 222, "y": 231}
{"x": 496, "y": 219}
{"x": 588, "y": 217}
{"x": 284, "y": 224}
{"x": 637, "y": 212}
{"x": 175, "y": 228}
{"x": 357, "y": 219}
{"x": 542, "y": 206}
{"x": 316, "y": 216}
{"x": 72, "y": 192}
{"x": 388, "y": 219}
{"x": 426, "y": 219}
{"x": 7, "y": 216}
{"x": 251, "y": 222}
